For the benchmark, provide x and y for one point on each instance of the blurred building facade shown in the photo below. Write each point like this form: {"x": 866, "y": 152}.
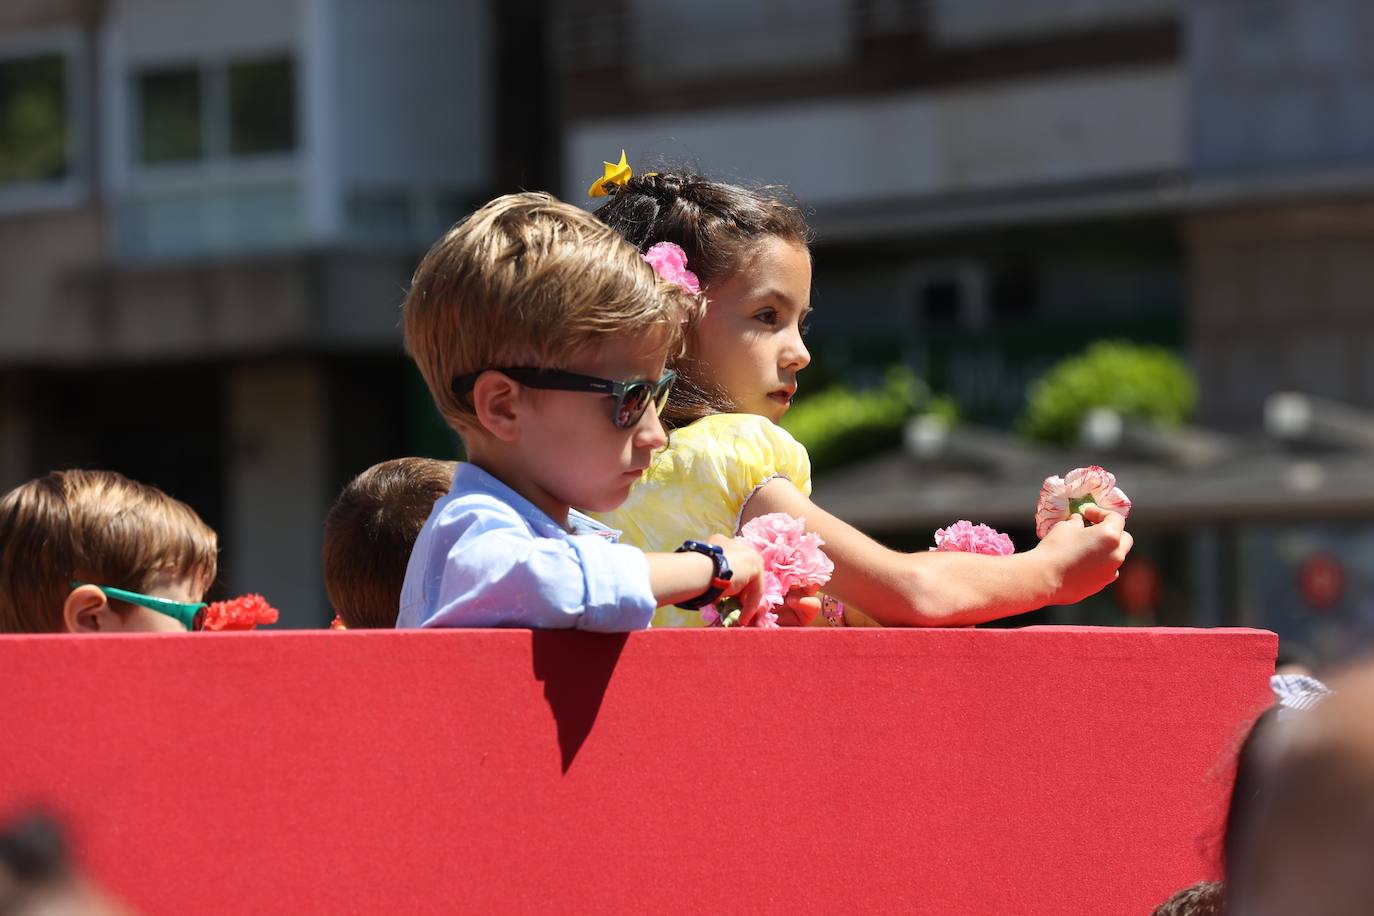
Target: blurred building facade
{"x": 982, "y": 172}
{"x": 209, "y": 216}
{"x": 996, "y": 183}
{"x": 209, "y": 213}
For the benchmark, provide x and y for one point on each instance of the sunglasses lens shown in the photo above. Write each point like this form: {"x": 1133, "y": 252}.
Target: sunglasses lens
{"x": 632, "y": 405}
{"x": 662, "y": 391}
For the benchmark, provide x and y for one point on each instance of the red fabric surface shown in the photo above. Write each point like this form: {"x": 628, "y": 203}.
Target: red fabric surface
{"x": 1044, "y": 770}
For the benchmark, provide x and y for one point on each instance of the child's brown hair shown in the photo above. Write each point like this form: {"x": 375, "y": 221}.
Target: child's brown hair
{"x": 528, "y": 280}
{"x": 717, "y": 225}
{"x": 96, "y": 527}
{"x": 369, "y": 533}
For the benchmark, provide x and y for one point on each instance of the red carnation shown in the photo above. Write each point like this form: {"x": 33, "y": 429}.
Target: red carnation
{"x": 243, "y": 613}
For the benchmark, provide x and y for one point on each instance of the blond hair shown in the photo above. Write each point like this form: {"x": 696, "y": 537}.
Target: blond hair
{"x": 528, "y": 280}
{"x": 97, "y": 527}
{"x": 369, "y": 533}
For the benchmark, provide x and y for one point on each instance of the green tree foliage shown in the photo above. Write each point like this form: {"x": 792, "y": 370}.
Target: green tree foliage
{"x": 841, "y": 424}
{"x": 1146, "y": 382}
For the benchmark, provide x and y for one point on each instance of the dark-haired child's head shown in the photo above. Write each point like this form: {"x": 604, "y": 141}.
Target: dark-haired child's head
{"x": 1202, "y": 899}
{"x": 748, "y": 246}
{"x": 369, "y": 533}
{"x": 68, "y": 535}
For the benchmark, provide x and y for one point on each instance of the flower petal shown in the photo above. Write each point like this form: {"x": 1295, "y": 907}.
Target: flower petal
{"x": 1053, "y": 505}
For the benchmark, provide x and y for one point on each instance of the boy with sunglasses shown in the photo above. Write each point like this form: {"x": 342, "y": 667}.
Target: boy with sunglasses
{"x": 95, "y": 552}
{"x": 543, "y": 338}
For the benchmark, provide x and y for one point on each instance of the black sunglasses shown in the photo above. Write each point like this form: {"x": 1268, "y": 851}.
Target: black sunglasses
{"x": 631, "y": 398}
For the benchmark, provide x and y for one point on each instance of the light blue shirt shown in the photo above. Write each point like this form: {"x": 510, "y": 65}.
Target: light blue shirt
{"x": 487, "y": 557}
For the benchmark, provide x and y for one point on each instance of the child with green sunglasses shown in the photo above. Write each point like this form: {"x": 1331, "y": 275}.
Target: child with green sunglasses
{"x": 94, "y": 552}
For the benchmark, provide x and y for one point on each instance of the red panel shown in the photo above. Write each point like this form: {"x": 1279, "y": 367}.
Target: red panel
{"x": 1044, "y": 770}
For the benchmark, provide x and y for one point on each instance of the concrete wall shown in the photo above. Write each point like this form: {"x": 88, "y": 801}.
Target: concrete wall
{"x": 15, "y": 433}
{"x": 1280, "y": 83}
{"x": 667, "y": 37}
{"x": 960, "y": 21}
{"x": 1281, "y": 300}
{"x": 277, "y": 488}
{"x": 37, "y": 251}
{"x": 244, "y": 307}
{"x": 1059, "y": 129}
{"x": 28, "y": 14}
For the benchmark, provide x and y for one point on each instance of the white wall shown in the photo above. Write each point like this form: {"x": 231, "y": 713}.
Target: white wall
{"x": 417, "y": 112}
{"x": 667, "y": 37}
{"x": 848, "y": 150}
{"x": 175, "y": 30}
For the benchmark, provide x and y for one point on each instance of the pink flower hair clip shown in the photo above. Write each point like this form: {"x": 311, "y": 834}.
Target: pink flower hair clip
{"x": 669, "y": 261}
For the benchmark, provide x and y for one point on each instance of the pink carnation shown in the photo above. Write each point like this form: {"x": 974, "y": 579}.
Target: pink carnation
{"x": 966, "y": 537}
{"x": 792, "y": 559}
{"x": 1061, "y": 497}
{"x": 669, "y": 261}
{"x": 791, "y": 556}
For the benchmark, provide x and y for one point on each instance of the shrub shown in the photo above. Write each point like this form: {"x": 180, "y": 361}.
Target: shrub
{"x": 1146, "y": 382}
{"x": 841, "y": 424}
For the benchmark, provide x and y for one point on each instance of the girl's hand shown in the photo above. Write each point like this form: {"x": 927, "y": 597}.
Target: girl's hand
{"x": 746, "y": 583}
{"x": 800, "y": 607}
{"x": 1083, "y": 559}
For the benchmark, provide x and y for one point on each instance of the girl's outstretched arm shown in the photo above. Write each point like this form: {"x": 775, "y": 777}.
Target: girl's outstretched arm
{"x": 955, "y": 589}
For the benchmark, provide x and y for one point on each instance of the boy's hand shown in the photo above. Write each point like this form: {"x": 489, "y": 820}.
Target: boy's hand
{"x": 746, "y": 583}
{"x": 1085, "y": 551}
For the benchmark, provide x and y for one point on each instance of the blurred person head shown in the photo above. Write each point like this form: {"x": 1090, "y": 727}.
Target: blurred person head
{"x": 1252, "y": 762}
{"x": 36, "y": 875}
{"x": 748, "y": 247}
{"x": 67, "y": 536}
{"x": 369, "y": 533}
{"x": 1201, "y": 899}
{"x": 1307, "y": 844}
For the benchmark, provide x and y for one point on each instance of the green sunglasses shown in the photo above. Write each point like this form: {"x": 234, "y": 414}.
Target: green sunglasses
{"x": 190, "y": 615}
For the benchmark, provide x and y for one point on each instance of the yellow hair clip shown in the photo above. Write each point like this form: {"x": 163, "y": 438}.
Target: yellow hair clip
{"x": 618, "y": 174}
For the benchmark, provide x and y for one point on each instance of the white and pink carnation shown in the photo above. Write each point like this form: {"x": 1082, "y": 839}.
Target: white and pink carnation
{"x": 965, "y": 537}
{"x": 1061, "y": 497}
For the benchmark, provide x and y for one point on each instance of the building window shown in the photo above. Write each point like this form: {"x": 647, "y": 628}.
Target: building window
{"x": 226, "y": 110}
{"x": 36, "y": 121}
{"x": 262, "y": 107}
{"x": 171, "y": 128}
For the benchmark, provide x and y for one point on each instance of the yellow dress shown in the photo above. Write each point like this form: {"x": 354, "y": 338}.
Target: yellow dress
{"x": 698, "y": 484}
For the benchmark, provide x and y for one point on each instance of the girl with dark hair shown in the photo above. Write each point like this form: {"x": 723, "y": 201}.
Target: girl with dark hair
{"x": 727, "y": 462}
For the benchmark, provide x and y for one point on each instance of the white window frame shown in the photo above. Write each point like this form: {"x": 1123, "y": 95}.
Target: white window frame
{"x": 216, "y": 167}
{"x": 71, "y": 191}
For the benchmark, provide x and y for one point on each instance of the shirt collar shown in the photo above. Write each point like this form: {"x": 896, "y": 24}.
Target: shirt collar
{"x": 469, "y": 478}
